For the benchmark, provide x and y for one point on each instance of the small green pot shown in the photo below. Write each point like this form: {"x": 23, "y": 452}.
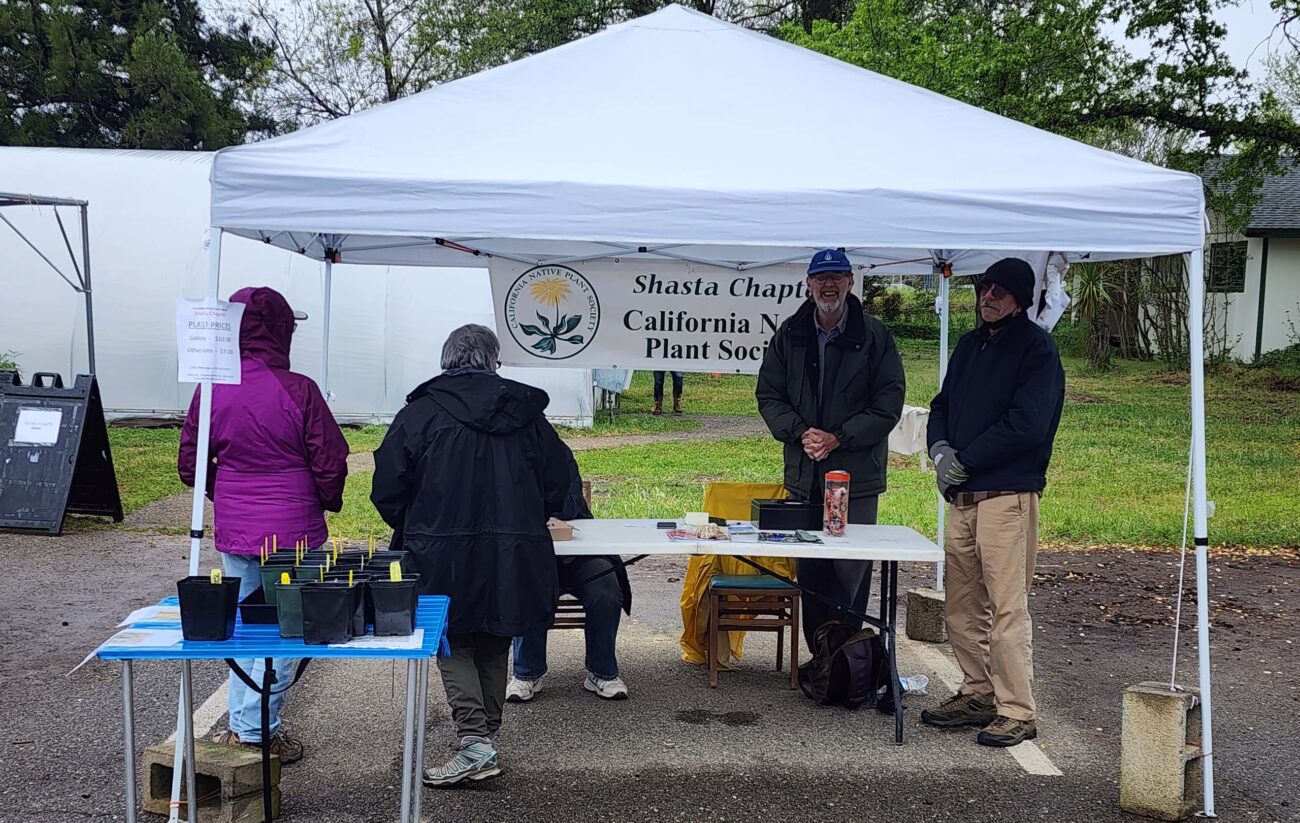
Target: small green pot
{"x": 288, "y": 608}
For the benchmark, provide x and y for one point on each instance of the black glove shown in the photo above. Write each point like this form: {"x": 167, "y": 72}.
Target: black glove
{"x": 947, "y": 468}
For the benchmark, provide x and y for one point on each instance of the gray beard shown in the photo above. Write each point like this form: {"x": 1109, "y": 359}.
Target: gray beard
{"x": 830, "y": 309}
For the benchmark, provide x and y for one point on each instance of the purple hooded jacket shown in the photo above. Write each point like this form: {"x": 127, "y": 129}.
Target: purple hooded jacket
{"x": 278, "y": 458}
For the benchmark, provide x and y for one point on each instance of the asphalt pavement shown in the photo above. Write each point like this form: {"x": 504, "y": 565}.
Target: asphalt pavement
{"x": 677, "y": 750}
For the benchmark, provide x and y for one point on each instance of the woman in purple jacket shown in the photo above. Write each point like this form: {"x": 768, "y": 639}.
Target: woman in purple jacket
{"x": 277, "y": 463}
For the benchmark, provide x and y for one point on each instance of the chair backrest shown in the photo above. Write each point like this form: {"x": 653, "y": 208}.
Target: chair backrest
{"x": 731, "y": 501}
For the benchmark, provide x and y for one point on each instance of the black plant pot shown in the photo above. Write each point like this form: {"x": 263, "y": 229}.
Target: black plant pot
{"x": 207, "y": 609}
{"x": 358, "y": 580}
{"x": 288, "y": 608}
{"x": 379, "y": 563}
{"x": 327, "y": 613}
{"x": 394, "y": 605}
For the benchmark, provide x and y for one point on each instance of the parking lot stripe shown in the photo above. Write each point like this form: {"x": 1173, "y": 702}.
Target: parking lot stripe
{"x": 1027, "y": 754}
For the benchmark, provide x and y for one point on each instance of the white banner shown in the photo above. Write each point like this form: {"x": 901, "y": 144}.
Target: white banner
{"x": 207, "y": 341}
{"x": 641, "y": 314}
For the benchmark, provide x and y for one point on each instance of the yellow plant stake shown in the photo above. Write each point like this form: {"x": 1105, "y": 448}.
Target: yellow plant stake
{"x": 284, "y": 578}
{"x": 215, "y": 577}
{"x": 349, "y": 578}
{"x": 372, "y": 546}
{"x": 395, "y": 571}
{"x": 322, "y": 573}
{"x": 274, "y": 543}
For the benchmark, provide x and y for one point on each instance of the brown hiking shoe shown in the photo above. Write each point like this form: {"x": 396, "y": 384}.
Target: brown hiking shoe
{"x": 282, "y": 745}
{"x": 960, "y": 710}
{"x": 1007, "y": 731}
{"x": 677, "y": 404}
{"x": 659, "y": 407}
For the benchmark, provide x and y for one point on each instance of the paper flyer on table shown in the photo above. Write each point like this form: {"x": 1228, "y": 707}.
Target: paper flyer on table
{"x": 153, "y": 614}
{"x": 135, "y": 639}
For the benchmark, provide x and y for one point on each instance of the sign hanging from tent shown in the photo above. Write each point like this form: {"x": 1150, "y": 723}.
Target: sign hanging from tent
{"x": 207, "y": 341}
{"x": 641, "y": 314}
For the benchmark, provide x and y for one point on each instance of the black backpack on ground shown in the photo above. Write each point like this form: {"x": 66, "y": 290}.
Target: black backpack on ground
{"x": 848, "y": 668}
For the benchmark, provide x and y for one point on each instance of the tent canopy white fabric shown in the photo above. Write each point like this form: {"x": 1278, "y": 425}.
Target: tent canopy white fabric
{"x": 701, "y": 139}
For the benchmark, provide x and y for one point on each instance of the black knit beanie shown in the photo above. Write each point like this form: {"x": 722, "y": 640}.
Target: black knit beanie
{"x": 1014, "y": 275}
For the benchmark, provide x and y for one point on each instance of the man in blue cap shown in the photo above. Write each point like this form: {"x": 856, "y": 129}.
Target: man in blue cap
{"x": 831, "y": 390}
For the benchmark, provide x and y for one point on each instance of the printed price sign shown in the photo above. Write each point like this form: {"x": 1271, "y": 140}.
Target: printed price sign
{"x": 207, "y": 341}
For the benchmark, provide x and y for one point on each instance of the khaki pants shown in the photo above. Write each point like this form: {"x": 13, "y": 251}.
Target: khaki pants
{"x": 989, "y": 550}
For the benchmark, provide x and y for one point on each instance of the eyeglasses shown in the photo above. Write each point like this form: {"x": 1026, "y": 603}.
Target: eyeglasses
{"x": 993, "y": 289}
{"x": 831, "y": 276}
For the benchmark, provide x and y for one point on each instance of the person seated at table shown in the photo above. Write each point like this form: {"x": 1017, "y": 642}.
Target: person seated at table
{"x": 468, "y": 473}
{"x": 277, "y": 463}
{"x": 601, "y": 585}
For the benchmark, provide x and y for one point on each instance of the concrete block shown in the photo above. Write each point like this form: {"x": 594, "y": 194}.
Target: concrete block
{"x": 228, "y": 781}
{"x": 246, "y": 809}
{"x": 1160, "y": 765}
{"x": 925, "y": 616}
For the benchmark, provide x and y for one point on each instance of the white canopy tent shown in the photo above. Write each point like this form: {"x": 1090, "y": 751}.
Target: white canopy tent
{"x": 680, "y": 136}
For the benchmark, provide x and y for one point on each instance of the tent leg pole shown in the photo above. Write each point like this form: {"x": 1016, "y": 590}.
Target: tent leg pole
{"x": 943, "y": 372}
{"x": 1196, "y": 352}
{"x": 325, "y": 340}
{"x": 85, "y": 286}
{"x": 200, "y": 495}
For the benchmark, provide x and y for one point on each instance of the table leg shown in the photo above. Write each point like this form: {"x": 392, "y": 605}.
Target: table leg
{"x": 128, "y": 737}
{"x": 191, "y": 791}
{"x": 268, "y": 678}
{"x": 421, "y": 719}
{"x": 892, "y": 639}
{"x": 408, "y": 741}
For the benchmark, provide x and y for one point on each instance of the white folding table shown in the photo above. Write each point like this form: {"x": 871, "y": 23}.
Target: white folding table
{"x": 890, "y": 545}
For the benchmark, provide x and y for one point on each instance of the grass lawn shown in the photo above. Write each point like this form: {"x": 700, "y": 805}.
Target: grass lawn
{"x": 1117, "y": 477}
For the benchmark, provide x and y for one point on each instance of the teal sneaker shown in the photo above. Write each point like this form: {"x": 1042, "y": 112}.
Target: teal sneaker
{"x": 476, "y": 759}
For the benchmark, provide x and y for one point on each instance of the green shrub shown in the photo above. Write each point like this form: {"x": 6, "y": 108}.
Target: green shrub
{"x": 9, "y": 360}
{"x": 890, "y": 305}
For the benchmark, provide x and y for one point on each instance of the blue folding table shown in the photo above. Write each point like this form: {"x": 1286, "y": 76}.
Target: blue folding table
{"x": 264, "y": 641}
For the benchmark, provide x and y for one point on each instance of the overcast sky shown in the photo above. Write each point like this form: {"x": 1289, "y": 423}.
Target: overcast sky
{"x": 1250, "y": 35}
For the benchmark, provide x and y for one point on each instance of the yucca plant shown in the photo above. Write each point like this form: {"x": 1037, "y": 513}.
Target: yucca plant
{"x": 1092, "y": 295}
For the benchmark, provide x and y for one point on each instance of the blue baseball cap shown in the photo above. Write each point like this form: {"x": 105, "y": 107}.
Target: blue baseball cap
{"x": 829, "y": 260}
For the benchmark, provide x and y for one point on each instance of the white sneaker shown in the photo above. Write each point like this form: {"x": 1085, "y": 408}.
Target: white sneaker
{"x": 521, "y": 691}
{"x": 614, "y": 689}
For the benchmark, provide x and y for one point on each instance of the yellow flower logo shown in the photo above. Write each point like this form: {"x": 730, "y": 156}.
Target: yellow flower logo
{"x": 551, "y": 290}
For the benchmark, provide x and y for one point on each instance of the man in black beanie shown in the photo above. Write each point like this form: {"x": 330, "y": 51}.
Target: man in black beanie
{"x": 990, "y": 435}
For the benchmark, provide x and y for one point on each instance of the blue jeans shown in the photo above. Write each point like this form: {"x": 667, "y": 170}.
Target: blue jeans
{"x": 678, "y": 377}
{"x": 602, "y": 600}
{"x": 244, "y": 704}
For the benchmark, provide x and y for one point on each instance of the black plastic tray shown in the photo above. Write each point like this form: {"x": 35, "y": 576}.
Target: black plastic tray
{"x": 255, "y": 609}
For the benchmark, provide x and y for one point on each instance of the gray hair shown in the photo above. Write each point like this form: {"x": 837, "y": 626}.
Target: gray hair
{"x": 471, "y": 347}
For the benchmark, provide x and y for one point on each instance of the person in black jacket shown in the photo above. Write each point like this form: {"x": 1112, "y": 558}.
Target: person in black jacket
{"x": 600, "y": 583}
{"x": 467, "y": 475}
{"x": 831, "y": 390}
{"x": 990, "y": 434}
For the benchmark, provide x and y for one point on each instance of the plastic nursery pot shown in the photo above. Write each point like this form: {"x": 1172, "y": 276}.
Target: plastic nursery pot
{"x": 327, "y": 612}
{"x": 310, "y": 571}
{"x": 355, "y": 562}
{"x": 288, "y": 608}
{"x": 207, "y": 608}
{"x": 271, "y": 577}
{"x": 359, "y": 613}
{"x": 394, "y": 604}
{"x": 381, "y": 560}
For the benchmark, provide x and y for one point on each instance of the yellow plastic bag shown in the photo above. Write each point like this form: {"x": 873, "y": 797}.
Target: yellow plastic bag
{"x": 730, "y": 501}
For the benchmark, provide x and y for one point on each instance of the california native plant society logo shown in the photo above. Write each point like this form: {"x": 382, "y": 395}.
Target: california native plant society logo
{"x": 552, "y": 312}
